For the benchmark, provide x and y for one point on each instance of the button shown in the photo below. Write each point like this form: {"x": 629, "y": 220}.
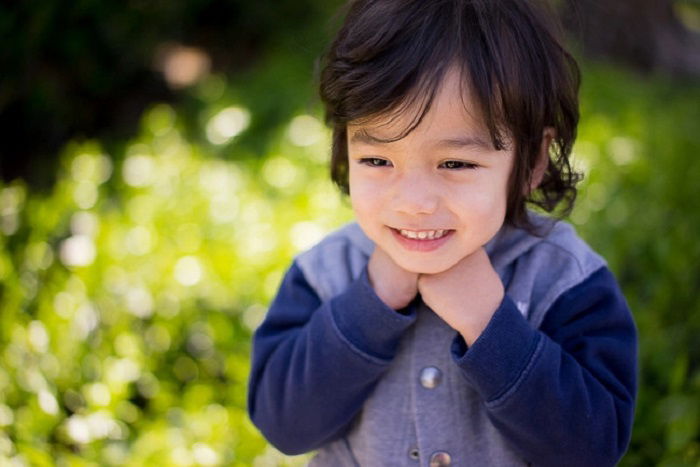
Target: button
{"x": 414, "y": 454}
{"x": 440, "y": 459}
{"x": 430, "y": 377}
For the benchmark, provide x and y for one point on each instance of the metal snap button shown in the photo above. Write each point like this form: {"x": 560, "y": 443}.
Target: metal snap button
{"x": 440, "y": 459}
{"x": 430, "y": 377}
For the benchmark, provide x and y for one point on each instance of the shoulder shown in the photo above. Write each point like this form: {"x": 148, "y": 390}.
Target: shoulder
{"x": 563, "y": 243}
{"x": 332, "y": 264}
{"x": 539, "y": 269}
{"x": 557, "y": 245}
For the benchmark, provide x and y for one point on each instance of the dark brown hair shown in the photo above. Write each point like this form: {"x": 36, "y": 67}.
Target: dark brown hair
{"x": 391, "y": 55}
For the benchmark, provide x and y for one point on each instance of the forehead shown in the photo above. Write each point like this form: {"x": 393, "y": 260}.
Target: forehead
{"x": 451, "y": 115}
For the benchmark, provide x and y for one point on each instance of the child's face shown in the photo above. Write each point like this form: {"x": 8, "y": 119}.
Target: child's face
{"x": 436, "y": 195}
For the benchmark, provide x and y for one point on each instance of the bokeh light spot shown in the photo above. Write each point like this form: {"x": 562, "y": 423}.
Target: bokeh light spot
{"x": 253, "y": 316}
{"x": 222, "y": 210}
{"x": 188, "y": 271}
{"x": 84, "y": 429}
{"x": 85, "y": 320}
{"x": 306, "y": 234}
{"x": 139, "y": 302}
{"x": 78, "y": 250}
{"x": 11, "y": 199}
{"x": 85, "y": 194}
{"x": 11, "y": 202}
{"x": 90, "y": 167}
{"x": 122, "y": 370}
{"x": 259, "y": 241}
{"x": 180, "y": 455}
{"x": 9, "y": 223}
{"x": 7, "y": 416}
{"x": 78, "y": 429}
{"x": 305, "y": 130}
{"x": 138, "y": 170}
{"x": 596, "y": 196}
{"x": 212, "y": 87}
{"x": 97, "y": 394}
{"x": 84, "y": 223}
{"x": 65, "y": 304}
{"x": 39, "y": 256}
{"x": 227, "y": 124}
{"x": 182, "y": 65}
{"x": 203, "y": 454}
{"x": 127, "y": 345}
{"x": 148, "y": 385}
{"x": 160, "y": 119}
{"x": 280, "y": 172}
{"x": 48, "y": 402}
{"x": 623, "y": 150}
{"x": 158, "y": 338}
{"x": 38, "y": 337}
{"x": 138, "y": 240}
{"x": 200, "y": 344}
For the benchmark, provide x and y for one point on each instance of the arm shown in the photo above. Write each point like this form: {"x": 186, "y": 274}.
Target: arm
{"x": 314, "y": 363}
{"x": 563, "y": 394}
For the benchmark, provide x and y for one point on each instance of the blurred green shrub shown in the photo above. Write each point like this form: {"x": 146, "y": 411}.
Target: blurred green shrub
{"x": 128, "y": 293}
{"x": 639, "y": 143}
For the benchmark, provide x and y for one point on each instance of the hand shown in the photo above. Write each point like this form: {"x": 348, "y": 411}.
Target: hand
{"x": 394, "y": 285}
{"x": 466, "y": 295}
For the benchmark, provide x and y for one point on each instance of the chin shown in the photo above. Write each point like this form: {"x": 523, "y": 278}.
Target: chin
{"x": 425, "y": 268}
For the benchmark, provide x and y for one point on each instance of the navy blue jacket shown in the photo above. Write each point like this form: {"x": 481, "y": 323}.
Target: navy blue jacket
{"x": 559, "y": 393}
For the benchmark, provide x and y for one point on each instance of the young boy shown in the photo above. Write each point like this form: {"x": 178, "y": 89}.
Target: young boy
{"x": 449, "y": 325}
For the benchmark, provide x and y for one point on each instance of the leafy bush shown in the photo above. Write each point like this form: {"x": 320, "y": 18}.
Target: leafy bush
{"x": 128, "y": 295}
{"x": 639, "y": 143}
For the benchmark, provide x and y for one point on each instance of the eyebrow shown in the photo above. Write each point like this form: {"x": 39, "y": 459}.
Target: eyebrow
{"x": 362, "y": 137}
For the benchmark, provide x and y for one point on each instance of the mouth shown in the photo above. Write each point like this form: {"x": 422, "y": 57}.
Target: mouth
{"x": 422, "y": 234}
{"x": 422, "y": 240}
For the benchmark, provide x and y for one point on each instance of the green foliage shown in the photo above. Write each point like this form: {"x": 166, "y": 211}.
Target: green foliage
{"x": 639, "y": 143}
{"x": 128, "y": 294}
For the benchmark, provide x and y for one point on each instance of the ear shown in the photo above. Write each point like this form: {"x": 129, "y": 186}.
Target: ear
{"x": 542, "y": 162}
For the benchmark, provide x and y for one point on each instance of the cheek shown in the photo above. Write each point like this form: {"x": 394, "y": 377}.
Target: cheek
{"x": 480, "y": 200}
{"x": 482, "y": 209}
{"x": 363, "y": 195}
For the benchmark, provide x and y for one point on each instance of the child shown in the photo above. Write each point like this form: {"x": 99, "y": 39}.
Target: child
{"x": 450, "y": 325}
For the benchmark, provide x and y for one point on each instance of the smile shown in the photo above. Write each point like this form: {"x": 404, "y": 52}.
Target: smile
{"x": 422, "y": 234}
{"x": 422, "y": 240}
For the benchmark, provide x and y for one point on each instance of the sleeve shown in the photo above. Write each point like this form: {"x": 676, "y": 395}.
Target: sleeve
{"x": 563, "y": 394}
{"x": 314, "y": 363}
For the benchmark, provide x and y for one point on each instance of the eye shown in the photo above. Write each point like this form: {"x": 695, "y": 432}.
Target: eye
{"x": 375, "y": 162}
{"x": 457, "y": 165}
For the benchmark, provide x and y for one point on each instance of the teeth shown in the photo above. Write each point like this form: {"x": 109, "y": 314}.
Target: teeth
{"x": 423, "y": 234}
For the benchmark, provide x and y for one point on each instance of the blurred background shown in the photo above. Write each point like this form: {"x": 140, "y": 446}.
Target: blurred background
{"x": 162, "y": 162}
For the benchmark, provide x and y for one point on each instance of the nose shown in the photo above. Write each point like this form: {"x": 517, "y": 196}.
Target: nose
{"x": 415, "y": 194}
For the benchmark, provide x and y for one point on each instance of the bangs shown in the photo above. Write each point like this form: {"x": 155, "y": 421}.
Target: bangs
{"x": 378, "y": 70}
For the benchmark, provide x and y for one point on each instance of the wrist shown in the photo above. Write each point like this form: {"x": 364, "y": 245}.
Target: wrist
{"x": 397, "y": 293}
{"x": 393, "y": 299}
{"x": 471, "y": 332}
{"x": 476, "y": 323}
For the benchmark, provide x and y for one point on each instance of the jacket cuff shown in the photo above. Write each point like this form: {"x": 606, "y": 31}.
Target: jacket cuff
{"x": 366, "y": 322}
{"x": 500, "y": 356}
